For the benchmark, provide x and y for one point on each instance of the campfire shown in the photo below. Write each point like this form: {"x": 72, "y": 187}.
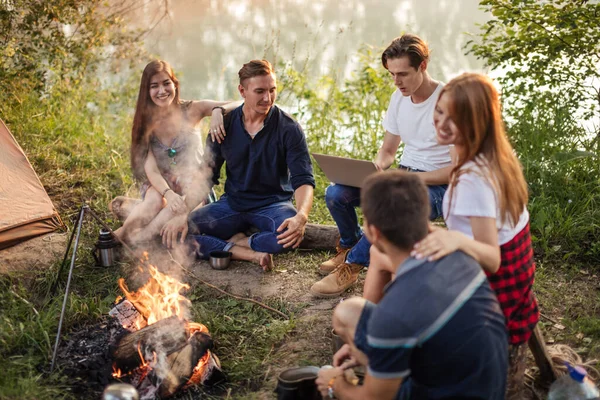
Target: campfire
{"x": 162, "y": 352}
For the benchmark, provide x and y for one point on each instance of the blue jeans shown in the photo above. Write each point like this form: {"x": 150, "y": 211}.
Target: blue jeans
{"x": 341, "y": 201}
{"x": 217, "y": 222}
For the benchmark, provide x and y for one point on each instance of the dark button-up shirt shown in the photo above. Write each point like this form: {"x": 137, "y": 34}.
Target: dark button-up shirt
{"x": 263, "y": 170}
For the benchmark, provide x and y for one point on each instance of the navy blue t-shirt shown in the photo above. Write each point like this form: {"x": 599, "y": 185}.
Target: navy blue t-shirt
{"x": 263, "y": 170}
{"x": 439, "y": 327}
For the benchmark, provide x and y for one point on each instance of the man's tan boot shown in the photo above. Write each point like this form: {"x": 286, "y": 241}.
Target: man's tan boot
{"x": 328, "y": 266}
{"x": 337, "y": 281}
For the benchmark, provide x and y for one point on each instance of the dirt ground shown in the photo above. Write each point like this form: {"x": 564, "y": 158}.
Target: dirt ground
{"x": 36, "y": 254}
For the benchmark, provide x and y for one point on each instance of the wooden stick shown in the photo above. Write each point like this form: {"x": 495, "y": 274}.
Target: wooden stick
{"x": 537, "y": 345}
{"x": 548, "y": 318}
{"x": 210, "y": 285}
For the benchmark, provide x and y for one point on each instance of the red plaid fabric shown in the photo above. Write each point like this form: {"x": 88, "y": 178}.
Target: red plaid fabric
{"x": 513, "y": 284}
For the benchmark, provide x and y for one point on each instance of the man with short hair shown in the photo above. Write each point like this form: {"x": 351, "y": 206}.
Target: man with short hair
{"x": 438, "y": 332}
{"x": 409, "y": 119}
{"x": 267, "y": 162}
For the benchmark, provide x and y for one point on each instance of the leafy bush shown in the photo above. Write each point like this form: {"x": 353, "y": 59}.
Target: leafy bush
{"x": 546, "y": 55}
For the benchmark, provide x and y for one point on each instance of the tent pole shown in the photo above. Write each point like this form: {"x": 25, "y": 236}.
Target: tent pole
{"x": 52, "y": 289}
{"x": 64, "y": 306}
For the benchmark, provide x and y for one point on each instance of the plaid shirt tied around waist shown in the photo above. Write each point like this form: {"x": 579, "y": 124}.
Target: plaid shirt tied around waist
{"x": 513, "y": 284}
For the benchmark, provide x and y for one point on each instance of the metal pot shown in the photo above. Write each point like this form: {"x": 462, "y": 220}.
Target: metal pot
{"x": 219, "y": 259}
{"x": 298, "y": 384}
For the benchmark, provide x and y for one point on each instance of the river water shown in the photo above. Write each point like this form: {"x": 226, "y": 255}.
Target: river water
{"x": 207, "y": 41}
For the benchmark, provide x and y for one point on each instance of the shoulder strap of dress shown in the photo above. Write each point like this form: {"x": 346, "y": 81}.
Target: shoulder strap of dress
{"x": 185, "y": 105}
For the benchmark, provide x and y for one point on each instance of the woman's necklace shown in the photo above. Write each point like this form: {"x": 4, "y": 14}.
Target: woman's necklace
{"x": 171, "y": 150}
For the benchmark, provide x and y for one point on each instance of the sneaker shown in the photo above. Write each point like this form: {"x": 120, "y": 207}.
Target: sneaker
{"x": 337, "y": 281}
{"x": 328, "y": 266}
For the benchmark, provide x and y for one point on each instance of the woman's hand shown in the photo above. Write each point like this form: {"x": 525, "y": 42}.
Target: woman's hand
{"x": 217, "y": 127}
{"x": 437, "y": 244}
{"x": 176, "y": 203}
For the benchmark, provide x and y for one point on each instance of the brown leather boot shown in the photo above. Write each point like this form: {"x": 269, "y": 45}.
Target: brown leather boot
{"x": 329, "y": 265}
{"x": 337, "y": 281}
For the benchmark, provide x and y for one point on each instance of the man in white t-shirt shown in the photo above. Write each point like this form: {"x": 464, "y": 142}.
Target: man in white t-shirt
{"x": 409, "y": 119}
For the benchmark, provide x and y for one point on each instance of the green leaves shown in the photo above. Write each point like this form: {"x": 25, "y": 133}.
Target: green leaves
{"x": 547, "y": 55}
{"x": 46, "y": 42}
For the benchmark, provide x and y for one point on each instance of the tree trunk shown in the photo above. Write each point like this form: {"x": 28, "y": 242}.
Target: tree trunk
{"x": 316, "y": 237}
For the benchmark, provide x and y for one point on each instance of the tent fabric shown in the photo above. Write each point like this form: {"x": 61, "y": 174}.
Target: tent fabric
{"x": 25, "y": 208}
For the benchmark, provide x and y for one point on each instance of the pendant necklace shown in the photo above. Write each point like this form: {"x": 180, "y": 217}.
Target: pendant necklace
{"x": 172, "y": 152}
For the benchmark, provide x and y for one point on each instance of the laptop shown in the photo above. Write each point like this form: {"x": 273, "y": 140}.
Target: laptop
{"x": 345, "y": 171}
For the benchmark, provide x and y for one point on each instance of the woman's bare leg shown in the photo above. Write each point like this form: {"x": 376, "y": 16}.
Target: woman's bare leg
{"x": 141, "y": 215}
{"x": 153, "y": 228}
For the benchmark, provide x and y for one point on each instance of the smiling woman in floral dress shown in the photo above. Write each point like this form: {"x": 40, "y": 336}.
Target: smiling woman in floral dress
{"x": 166, "y": 154}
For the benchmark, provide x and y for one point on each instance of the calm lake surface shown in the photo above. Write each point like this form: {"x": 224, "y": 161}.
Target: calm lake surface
{"x": 207, "y": 41}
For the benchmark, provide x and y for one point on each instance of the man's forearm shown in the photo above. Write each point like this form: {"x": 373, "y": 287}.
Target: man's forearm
{"x": 304, "y": 199}
{"x": 384, "y": 159}
{"x": 438, "y": 177}
{"x": 371, "y": 389}
{"x": 345, "y": 391}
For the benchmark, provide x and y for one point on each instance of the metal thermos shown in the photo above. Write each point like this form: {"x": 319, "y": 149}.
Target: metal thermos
{"x": 105, "y": 249}
{"x": 120, "y": 391}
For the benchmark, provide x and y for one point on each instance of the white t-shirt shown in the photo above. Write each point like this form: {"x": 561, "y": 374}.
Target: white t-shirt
{"x": 475, "y": 196}
{"x": 414, "y": 124}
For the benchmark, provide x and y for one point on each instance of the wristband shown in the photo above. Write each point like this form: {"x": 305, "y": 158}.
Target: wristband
{"x": 222, "y": 109}
{"x": 165, "y": 191}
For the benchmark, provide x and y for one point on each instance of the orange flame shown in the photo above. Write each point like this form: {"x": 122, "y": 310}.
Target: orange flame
{"x": 194, "y": 327}
{"x": 116, "y": 372}
{"x": 159, "y": 298}
{"x": 199, "y": 370}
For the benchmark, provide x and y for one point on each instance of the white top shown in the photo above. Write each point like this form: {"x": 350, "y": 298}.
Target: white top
{"x": 475, "y": 196}
{"x": 414, "y": 124}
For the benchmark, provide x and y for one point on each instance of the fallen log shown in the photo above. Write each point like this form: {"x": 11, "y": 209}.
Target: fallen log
{"x": 316, "y": 237}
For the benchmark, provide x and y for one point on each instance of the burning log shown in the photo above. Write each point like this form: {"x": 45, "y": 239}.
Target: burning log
{"x": 316, "y": 237}
{"x": 167, "y": 335}
{"x": 128, "y": 316}
{"x": 182, "y": 364}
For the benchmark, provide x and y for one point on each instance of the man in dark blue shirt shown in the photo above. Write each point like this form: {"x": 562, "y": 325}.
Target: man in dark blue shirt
{"x": 438, "y": 332}
{"x": 267, "y": 162}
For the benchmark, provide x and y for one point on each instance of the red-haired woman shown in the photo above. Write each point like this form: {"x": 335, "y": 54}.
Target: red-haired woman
{"x": 485, "y": 208}
{"x": 166, "y": 154}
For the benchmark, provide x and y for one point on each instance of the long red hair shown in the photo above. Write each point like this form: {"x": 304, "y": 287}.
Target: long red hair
{"x": 143, "y": 115}
{"x": 476, "y": 112}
